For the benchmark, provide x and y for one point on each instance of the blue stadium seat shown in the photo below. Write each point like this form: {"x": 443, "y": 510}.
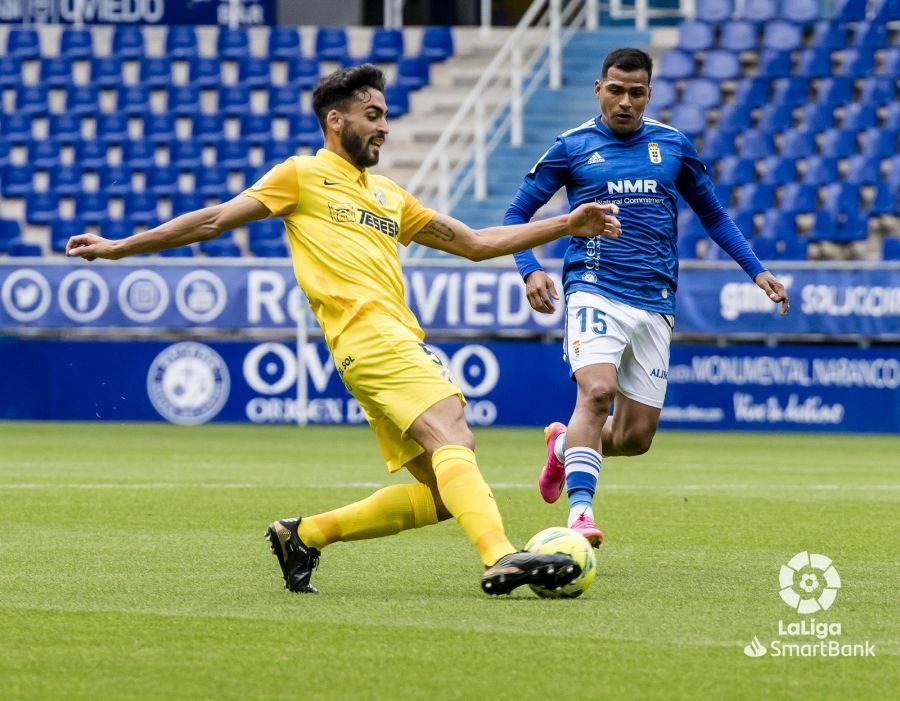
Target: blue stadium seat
{"x": 750, "y": 93}
{"x": 9, "y": 229}
{"x": 437, "y": 44}
{"x": 859, "y": 117}
{"x": 269, "y": 249}
{"x": 774, "y": 118}
{"x": 689, "y": 119}
{"x": 885, "y": 11}
{"x": 877, "y": 91}
{"x": 284, "y": 101}
{"x": 32, "y": 100}
{"x": 83, "y": 100}
{"x": 56, "y": 72}
{"x": 824, "y": 226}
{"x": 777, "y": 170}
{"x": 774, "y": 64}
{"x": 857, "y": 63}
{"x": 140, "y": 207}
{"x": 739, "y": 36}
{"x": 253, "y": 72}
{"x": 755, "y": 197}
{"x": 208, "y": 128}
{"x": 387, "y": 45}
{"x": 756, "y": 144}
{"x": 814, "y": 63}
{"x": 884, "y": 201}
{"x": 187, "y": 154}
{"x": 879, "y": 143}
{"x": 265, "y": 230}
{"x": 232, "y": 153}
{"x": 24, "y": 44}
{"x": 181, "y": 41}
{"x": 4, "y": 153}
{"x": 62, "y": 230}
{"x": 852, "y": 226}
{"x": 205, "y": 72}
{"x": 179, "y": 252}
{"x": 838, "y": 143}
{"x": 735, "y": 116}
{"x": 284, "y": 43}
{"x": 15, "y": 128}
{"x": 128, "y": 41}
{"x": 217, "y": 248}
{"x": 305, "y": 130}
{"x": 798, "y": 143}
{"x": 829, "y": 35}
{"x": 397, "y": 99}
{"x": 735, "y": 171}
{"x": 234, "y": 100}
{"x": 782, "y": 36}
{"x": 19, "y": 248}
{"x": 256, "y": 129}
{"x": 718, "y": 143}
{"x": 862, "y": 171}
{"x": 115, "y": 181}
{"x": 675, "y": 65}
{"x": 798, "y": 197}
{"x": 76, "y": 44}
{"x": 790, "y": 92}
{"x": 663, "y": 94}
{"x": 139, "y": 154}
{"x": 890, "y": 66}
{"x": 159, "y": 128}
{"x": 212, "y": 181}
{"x": 10, "y": 72}
{"x": 233, "y": 44}
{"x": 184, "y": 100}
{"x": 106, "y": 71}
{"x": 115, "y": 229}
{"x": 90, "y": 153}
{"x": 701, "y": 92}
{"x": 15, "y": 180}
{"x": 778, "y": 225}
{"x": 890, "y": 248}
{"x": 804, "y": 12}
{"x": 133, "y": 101}
{"x": 278, "y": 150}
{"x": 112, "y": 128}
{"x": 695, "y": 36}
{"x": 714, "y": 11}
{"x": 41, "y": 208}
{"x": 834, "y": 92}
{"x": 303, "y": 72}
{"x": 821, "y": 170}
{"x": 43, "y": 154}
{"x": 894, "y": 172}
{"x": 92, "y": 207}
{"x": 413, "y": 73}
{"x": 156, "y": 72}
{"x": 162, "y": 181}
{"x": 743, "y": 219}
{"x": 331, "y": 43}
{"x": 849, "y": 11}
{"x": 183, "y": 202}
{"x": 870, "y": 35}
{"x": 723, "y": 193}
{"x": 814, "y": 118}
{"x": 840, "y": 197}
{"x": 759, "y": 11}
{"x": 892, "y": 117}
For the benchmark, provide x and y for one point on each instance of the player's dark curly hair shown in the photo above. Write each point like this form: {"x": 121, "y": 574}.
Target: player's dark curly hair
{"x": 338, "y": 88}
{"x": 627, "y": 60}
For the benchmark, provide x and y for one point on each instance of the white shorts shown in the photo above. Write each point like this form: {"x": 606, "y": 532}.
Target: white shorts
{"x": 601, "y": 330}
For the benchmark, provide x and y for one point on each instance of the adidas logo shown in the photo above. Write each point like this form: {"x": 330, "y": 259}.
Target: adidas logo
{"x": 596, "y": 158}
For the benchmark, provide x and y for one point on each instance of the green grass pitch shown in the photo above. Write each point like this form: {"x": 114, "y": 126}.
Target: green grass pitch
{"x": 133, "y": 566}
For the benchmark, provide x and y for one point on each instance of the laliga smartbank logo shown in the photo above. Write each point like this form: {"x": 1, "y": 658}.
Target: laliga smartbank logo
{"x": 809, "y": 583}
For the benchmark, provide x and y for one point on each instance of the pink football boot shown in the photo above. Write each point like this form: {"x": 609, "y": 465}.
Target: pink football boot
{"x": 589, "y": 530}
{"x": 553, "y": 476}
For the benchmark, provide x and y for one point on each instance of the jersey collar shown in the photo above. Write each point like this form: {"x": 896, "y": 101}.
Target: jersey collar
{"x": 345, "y": 168}
{"x": 598, "y": 121}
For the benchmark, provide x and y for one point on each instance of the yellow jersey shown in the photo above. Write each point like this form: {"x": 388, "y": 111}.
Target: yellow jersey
{"x": 343, "y": 227}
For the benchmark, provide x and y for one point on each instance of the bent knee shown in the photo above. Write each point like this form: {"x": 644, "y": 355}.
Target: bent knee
{"x": 635, "y": 444}
{"x": 598, "y": 398}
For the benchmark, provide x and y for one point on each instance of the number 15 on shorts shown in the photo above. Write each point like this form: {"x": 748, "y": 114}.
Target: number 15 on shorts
{"x": 591, "y": 319}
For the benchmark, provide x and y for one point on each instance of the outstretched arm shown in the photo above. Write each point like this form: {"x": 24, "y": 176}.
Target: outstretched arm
{"x": 453, "y": 236}
{"x": 200, "y": 225}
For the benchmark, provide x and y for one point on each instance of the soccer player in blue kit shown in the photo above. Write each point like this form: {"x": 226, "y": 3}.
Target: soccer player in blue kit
{"x": 619, "y": 294}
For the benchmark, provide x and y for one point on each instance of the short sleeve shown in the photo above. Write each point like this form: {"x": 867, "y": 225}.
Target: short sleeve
{"x": 278, "y": 189}
{"x": 413, "y": 217}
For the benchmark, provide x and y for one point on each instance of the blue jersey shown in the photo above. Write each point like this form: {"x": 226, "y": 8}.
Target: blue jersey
{"x": 642, "y": 173}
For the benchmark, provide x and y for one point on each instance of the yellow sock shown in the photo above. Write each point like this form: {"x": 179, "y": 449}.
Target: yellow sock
{"x": 387, "y": 511}
{"x": 467, "y": 496}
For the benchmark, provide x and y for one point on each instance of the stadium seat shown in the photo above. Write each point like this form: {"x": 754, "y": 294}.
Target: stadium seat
{"x": 723, "y": 194}
{"x": 689, "y": 119}
{"x": 284, "y": 101}
{"x": 695, "y": 36}
{"x": 798, "y": 143}
{"x": 885, "y": 11}
{"x": 187, "y": 154}
{"x": 56, "y": 72}
{"x": 115, "y": 180}
{"x": 857, "y": 63}
{"x": 106, "y": 71}
{"x": 162, "y": 181}
{"x": 755, "y": 197}
{"x": 133, "y": 101}
{"x": 719, "y": 64}
{"x": 128, "y": 41}
{"x": 92, "y": 207}
{"x": 256, "y": 129}
{"x": 862, "y": 171}
{"x": 879, "y": 143}
{"x": 222, "y": 249}
{"x": 278, "y": 150}
{"x": 816, "y": 119}
{"x": 803, "y": 12}
{"x": 212, "y": 181}
{"x": 890, "y": 248}
{"x": 41, "y": 208}
{"x": 226, "y": 237}
{"x": 814, "y": 63}
{"x": 10, "y": 72}
{"x": 837, "y": 143}
{"x": 140, "y": 207}
{"x": 894, "y": 172}
{"x": 156, "y": 72}
{"x": 437, "y": 44}
{"x": 387, "y": 45}
{"x": 24, "y": 44}
{"x": 834, "y": 92}
{"x": 412, "y": 73}
{"x": 890, "y": 66}
{"x": 743, "y": 219}
{"x": 675, "y": 65}
{"x": 663, "y": 94}
{"x": 303, "y": 72}
{"x": 397, "y": 99}
{"x": 701, "y": 92}
{"x": 139, "y": 154}
{"x": 852, "y": 226}
{"x": 824, "y": 226}
{"x": 859, "y": 117}
{"x": 115, "y": 229}
{"x": 750, "y": 93}
{"x": 714, "y": 11}
{"x": 849, "y": 11}
{"x": 15, "y": 128}
{"x": 159, "y": 128}
{"x": 792, "y": 249}
{"x": 774, "y": 64}
{"x": 184, "y": 100}
{"x": 305, "y": 130}
{"x": 83, "y": 100}
{"x": 884, "y": 201}
{"x": 782, "y": 36}
{"x": 62, "y": 230}
{"x": 331, "y": 43}
{"x": 841, "y": 197}
{"x": 183, "y": 202}
{"x": 32, "y": 100}
{"x": 877, "y": 91}
{"x": 756, "y": 144}
{"x": 253, "y": 72}
{"x": 718, "y": 143}
{"x": 4, "y": 153}
{"x": 232, "y": 153}
{"x": 181, "y": 42}
{"x": 869, "y": 35}
{"x": 892, "y": 117}
{"x": 777, "y": 170}
{"x": 205, "y": 72}
{"x": 90, "y": 153}
{"x": 284, "y": 43}
{"x": 76, "y": 44}
{"x": 774, "y": 118}
{"x": 19, "y": 248}
{"x": 233, "y": 44}
{"x": 234, "y": 100}
{"x": 9, "y": 229}
{"x": 112, "y": 128}
{"x": 735, "y": 116}
{"x": 43, "y": 154}
{"x": 738, "y": 36}
{"x": 798, "y": 197}
{"x": 790, "y": 92}
{"x": 828, "y": 35}
{"x": 758, "y": 11}
{"x": 821, "y": 170}
{"x": 778, "y": 225}
{"x": 15, "y": 180}
{"x": 735, "y": 171}
{"x": 265, "y": 230}
{"x": 269, "y": 249}
{"x": 209, "y": 129}
{"x": 179, "y": 252}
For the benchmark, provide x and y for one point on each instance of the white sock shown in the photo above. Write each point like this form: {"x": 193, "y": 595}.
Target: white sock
{"x": 579, "y": 510}
{"x": 559, "y": 447}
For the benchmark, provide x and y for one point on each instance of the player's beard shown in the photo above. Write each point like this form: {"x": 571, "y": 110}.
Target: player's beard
{"x": 357, "y": 149}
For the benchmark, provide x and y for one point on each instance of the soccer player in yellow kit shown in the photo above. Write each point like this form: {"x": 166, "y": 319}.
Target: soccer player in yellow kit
{"x": 344, "y": 225}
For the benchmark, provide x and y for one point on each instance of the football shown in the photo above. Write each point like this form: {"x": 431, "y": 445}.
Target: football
{"x": 567, "y": 542}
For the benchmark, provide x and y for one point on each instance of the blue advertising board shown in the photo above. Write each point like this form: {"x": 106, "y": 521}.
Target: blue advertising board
{"x": 507, "y": 383}
{"x": 199, "y": 12}
{"x": 827, "y": 299}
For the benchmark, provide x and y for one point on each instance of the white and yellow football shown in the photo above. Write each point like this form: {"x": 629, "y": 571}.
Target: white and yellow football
{"x": 571, "y": 543}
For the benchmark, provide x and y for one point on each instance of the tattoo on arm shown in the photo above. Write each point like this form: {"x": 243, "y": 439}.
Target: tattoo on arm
{"x": 439, "y": 230}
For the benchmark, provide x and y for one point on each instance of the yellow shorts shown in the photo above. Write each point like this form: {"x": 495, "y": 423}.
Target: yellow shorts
{"x": 395, "y": 377}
